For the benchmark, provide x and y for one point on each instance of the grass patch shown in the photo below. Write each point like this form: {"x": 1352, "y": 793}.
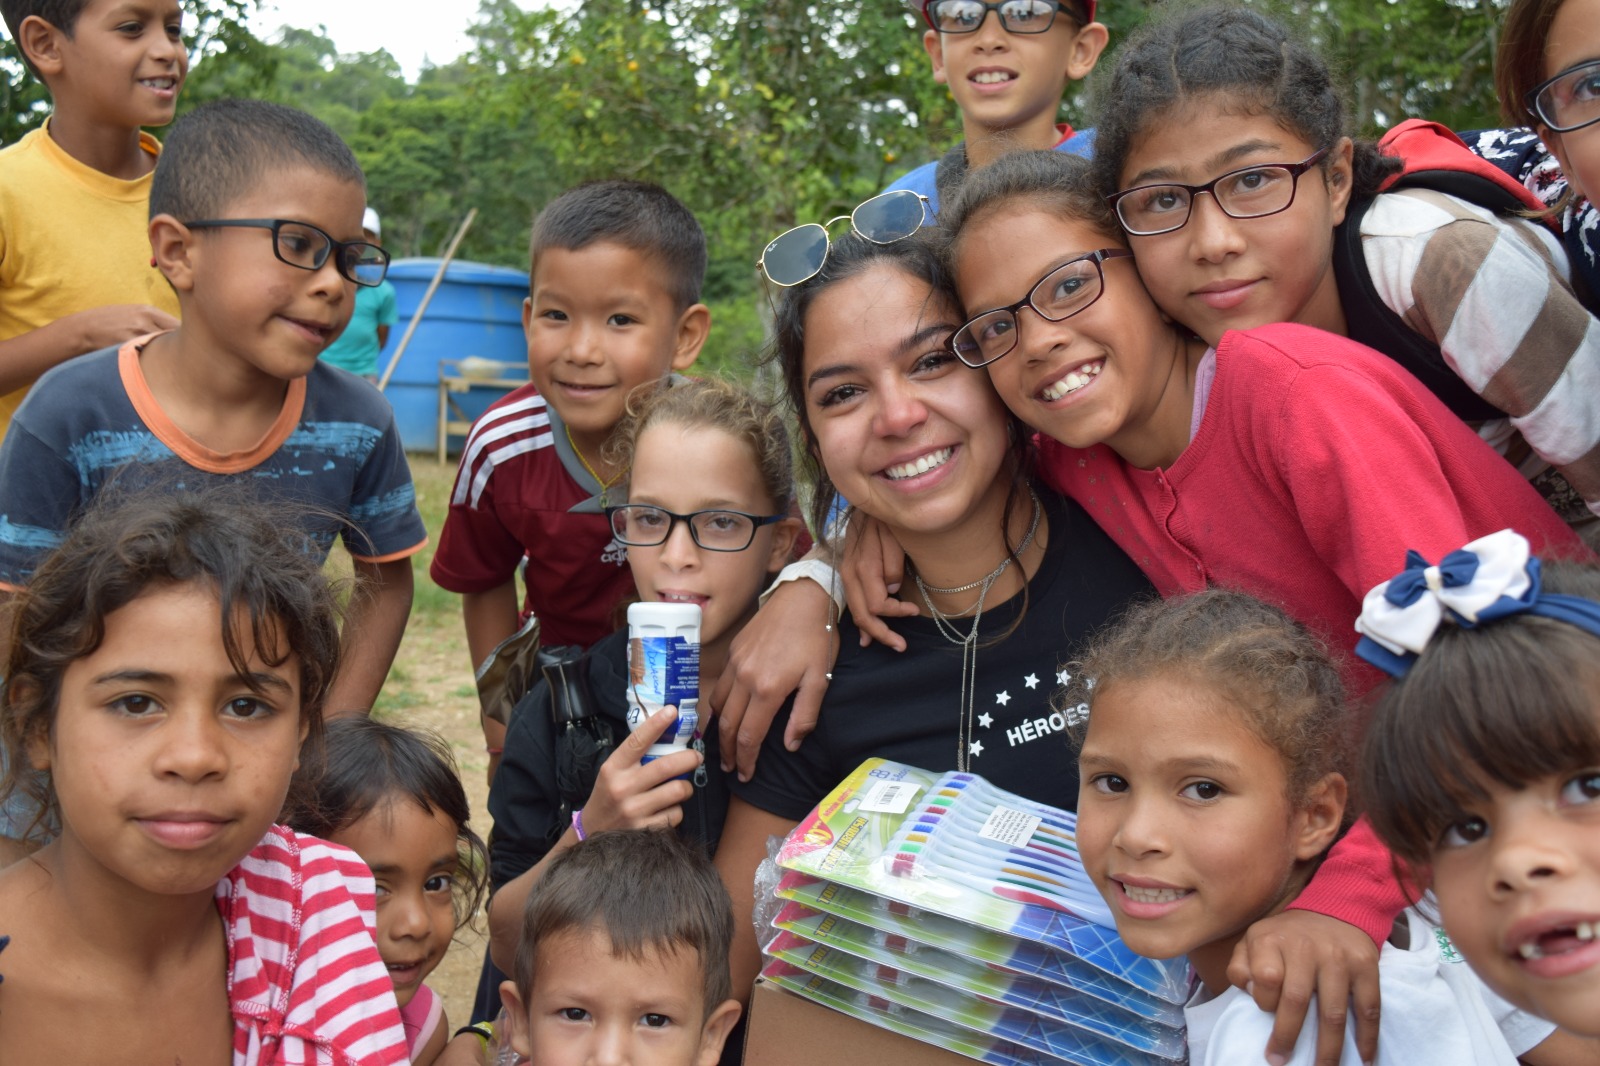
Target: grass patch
{"x": 392, "y": 701}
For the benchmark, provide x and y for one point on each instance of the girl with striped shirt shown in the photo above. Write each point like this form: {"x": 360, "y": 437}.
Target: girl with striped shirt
{"x": 166, "y": 663}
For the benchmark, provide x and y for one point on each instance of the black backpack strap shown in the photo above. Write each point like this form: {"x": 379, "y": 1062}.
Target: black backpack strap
{"x": 1372, "y": 322}
{"x": 583, "y": 739}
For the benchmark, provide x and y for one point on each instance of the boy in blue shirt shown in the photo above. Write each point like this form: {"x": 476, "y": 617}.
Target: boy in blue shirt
{"x": 256, "y": 222}
{"x": 1007, "y": 64}
{"x": 359, "y": 346}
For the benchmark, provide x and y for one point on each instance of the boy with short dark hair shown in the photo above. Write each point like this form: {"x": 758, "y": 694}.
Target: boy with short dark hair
{"x": 75, "y": 268}
{"x": 628, "y": 930}
{"x": 613, "y": 306}
{"x": 256, "y": 222}
{"x": 1007, "y": 64}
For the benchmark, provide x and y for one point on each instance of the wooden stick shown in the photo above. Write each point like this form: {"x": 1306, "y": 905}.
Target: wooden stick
{"x": 438, "y": 276}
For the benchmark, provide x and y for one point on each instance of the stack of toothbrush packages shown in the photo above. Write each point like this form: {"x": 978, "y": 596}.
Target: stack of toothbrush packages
{"x": 946, "y": 909}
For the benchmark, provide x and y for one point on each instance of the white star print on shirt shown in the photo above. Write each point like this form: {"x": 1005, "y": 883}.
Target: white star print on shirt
{"x": 1002, "y": 698}
{"x": 986, "y": 719}
{"x": 975, "y": 748}
{"x": 1062, "y": 677}
{"x": 1032, "y": 681}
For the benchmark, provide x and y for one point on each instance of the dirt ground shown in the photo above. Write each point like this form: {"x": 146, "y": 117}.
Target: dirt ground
{"x": 431, "y": 687}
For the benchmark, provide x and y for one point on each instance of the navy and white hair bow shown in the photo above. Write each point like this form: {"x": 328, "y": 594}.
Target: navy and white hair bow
{"x": 1493, "y": 577}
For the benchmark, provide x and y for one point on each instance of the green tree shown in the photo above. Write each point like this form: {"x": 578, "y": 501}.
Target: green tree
{"x": 221, "y": 48}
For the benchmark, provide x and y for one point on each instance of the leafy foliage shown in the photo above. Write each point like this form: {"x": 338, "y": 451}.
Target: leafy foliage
{"x": 226, "y": 58}
{"x": 757, "y": 113}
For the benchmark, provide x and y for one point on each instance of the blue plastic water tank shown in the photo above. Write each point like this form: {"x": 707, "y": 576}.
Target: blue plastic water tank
{"x": 477, "y": 310}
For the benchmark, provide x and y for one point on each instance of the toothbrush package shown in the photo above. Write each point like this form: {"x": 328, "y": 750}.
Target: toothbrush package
{"x": 955, "y": 845}
{"x": 996, "y": 950}
{"x": 1063, "y": 1041}
{"x": 1161, "y": 1036}
{"x": 880, "y": 1012}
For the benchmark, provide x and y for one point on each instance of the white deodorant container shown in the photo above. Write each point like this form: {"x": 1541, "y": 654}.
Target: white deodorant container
{"x": 664, "y": 670}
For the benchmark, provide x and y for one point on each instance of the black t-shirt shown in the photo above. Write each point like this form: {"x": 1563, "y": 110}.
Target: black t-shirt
{"x": 525, "y": 801}
{"x": 905, "y": 706}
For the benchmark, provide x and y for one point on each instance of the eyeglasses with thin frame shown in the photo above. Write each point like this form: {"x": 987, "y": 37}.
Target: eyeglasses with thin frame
{"x": 1060, "y": 294}
{"x": 1570, "y": 100}
{"x": 1249, "y": 192}
{"x": 644, "y": 525}
{"x": 1016, "y": 16}
{"x": 797, "y": 255}
{"x": 300, "y": 244}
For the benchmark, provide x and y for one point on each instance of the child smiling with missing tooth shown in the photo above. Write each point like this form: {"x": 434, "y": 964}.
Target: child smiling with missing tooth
{"x": 1210, "y": 763}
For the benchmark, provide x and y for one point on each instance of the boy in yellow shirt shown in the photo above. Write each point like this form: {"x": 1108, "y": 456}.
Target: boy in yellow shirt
{"x": 75, "y": 268}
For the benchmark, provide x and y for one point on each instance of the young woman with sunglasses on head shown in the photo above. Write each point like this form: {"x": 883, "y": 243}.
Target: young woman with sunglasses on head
{"x": 1285, "y": 461}
{"x": 705, "y": 523}
{"x": 1006, "y": 579}
{"x": 1224, "y": 143}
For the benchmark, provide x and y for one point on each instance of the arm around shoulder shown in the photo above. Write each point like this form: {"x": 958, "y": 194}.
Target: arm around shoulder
{"x": 1243, "y": 1030}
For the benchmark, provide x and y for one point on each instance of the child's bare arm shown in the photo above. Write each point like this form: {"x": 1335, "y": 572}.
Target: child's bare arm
{"x": 490, "y": 618}
{"x": 428, "y": 1054}
{"x": 373, "y": 626}
{"x": 1562, "y": 1048}
{"x": 743, "y": 846}
{"x": 25, "y": 357}
{"x": 627, "y": 794}
{"x": 464, "y": 1050}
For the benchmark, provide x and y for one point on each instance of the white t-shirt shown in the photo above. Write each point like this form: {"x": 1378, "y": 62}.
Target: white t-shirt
{"x": 1436, "y": 1012}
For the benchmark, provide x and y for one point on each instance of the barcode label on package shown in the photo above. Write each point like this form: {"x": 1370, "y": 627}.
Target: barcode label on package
{"x": 889, "y": 797}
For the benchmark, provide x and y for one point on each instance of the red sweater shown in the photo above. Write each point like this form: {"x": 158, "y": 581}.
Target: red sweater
{"x": 1318, "y": 462}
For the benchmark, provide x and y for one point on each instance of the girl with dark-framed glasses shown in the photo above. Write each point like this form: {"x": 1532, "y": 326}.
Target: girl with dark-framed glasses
{"x": 1225, "y": 149}
{"x": 1283, "y": 461}
{"x": 706, "y": 522}
{"x": 1547, "y": 74}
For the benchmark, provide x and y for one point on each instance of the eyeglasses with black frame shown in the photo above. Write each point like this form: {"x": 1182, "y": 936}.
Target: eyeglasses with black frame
{"x": 797, "y": 255}
{"x": 1249, "y": 192}
{"x": 1060, "y": 294}
{"x": 1570, "y": 100}
{"x": 1016, "y": 16}
{"x": 644, "y": 525}
{"x": 300, "y": 244}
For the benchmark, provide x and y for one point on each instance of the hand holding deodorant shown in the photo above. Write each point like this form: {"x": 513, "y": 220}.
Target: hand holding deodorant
{"x": 664, "y": 670}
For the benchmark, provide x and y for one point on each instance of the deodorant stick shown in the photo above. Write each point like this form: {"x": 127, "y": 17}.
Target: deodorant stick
{"x": 664, "y": 670}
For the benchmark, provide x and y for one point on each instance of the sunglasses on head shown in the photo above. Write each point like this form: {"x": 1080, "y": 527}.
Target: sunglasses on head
{"x": 797, "y": 255}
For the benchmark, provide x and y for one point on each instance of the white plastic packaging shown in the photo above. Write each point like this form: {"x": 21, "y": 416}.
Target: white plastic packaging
{"x": 664, "y": 670}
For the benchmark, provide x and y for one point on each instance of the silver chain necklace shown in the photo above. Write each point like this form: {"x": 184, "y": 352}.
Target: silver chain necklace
{"x": 968, "y": 642}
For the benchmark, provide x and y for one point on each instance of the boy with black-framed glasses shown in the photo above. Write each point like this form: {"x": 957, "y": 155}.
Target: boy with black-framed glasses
{"x": 256, "y": 213}
{"x": 1007, "y": 63}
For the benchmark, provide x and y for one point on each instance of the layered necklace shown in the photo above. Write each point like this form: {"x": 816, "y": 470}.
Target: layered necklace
{"x": 968, "y": 641}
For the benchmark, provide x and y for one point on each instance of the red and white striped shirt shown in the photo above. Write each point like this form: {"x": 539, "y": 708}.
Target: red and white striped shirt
{"x": 305, "y": 981}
